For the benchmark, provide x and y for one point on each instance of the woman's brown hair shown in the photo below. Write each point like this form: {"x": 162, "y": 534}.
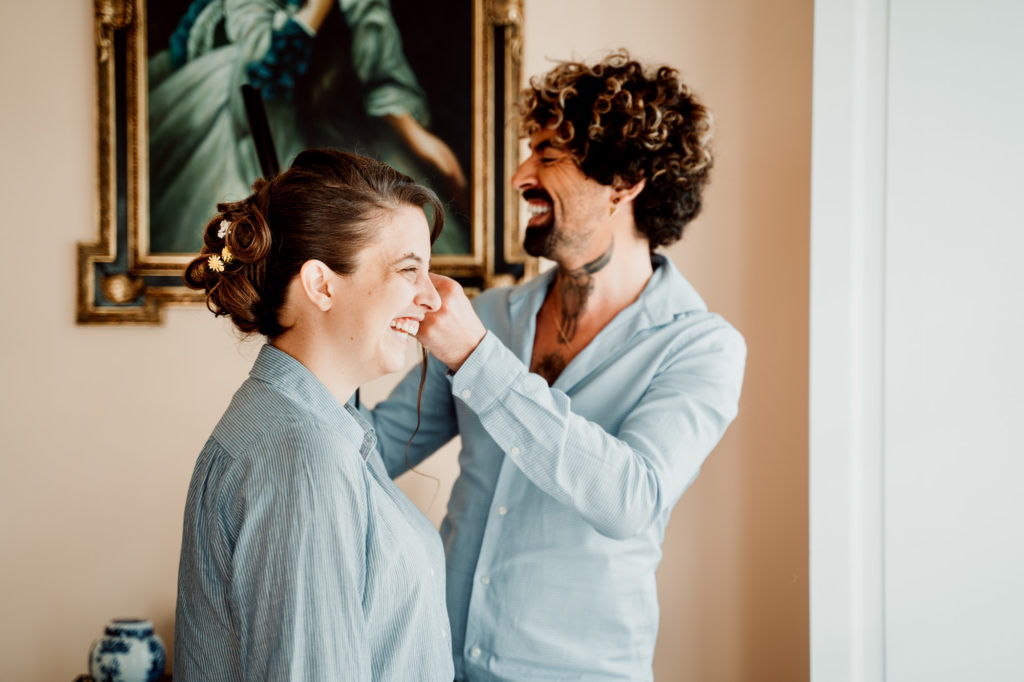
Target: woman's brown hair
{"x": 325, "y": 207}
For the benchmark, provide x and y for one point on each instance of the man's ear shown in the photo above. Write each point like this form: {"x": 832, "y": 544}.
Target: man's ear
{"x": 317, "y": 284}
{"x": 623, "y": 193}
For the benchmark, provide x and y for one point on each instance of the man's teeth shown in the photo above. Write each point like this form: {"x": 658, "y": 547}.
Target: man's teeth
{"x": 406, "y": 325}
{"x": 538, "y": 209}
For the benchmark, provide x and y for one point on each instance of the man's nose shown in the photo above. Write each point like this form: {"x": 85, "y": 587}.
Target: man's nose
{"x": 525, "y": 176}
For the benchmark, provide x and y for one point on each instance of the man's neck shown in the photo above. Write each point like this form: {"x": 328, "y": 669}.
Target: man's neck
{"x": 601, "y": 286}
{"x": 587, "y": 294}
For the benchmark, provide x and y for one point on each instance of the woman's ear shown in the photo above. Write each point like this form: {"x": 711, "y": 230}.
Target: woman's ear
{"x": 317, "y": 284}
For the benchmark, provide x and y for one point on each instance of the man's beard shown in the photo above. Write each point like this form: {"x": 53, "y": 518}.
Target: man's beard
{"x": 538, "y": 240}
{"x": 551, "y": 242}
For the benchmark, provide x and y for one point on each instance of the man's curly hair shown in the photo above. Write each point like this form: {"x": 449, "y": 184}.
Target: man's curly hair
{"x": 622, "y": 126}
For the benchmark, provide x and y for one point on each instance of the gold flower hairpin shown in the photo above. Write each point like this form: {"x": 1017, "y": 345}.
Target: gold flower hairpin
{"x": 219, "y": 263}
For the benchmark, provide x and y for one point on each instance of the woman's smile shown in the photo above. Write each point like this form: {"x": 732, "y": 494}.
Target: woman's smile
{"x": 407, "y": 326}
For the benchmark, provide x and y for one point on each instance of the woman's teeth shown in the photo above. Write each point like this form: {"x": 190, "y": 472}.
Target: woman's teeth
{"x": 407, "y": 325}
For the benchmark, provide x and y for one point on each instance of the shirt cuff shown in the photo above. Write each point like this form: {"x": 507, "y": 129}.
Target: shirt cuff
{"x": 487, "y": 374}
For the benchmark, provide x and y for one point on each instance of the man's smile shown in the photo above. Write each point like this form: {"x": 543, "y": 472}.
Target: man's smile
{"x": 538, "y": 205}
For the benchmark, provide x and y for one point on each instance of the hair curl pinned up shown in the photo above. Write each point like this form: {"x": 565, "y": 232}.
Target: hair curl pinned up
{"x": 622, "y": 125}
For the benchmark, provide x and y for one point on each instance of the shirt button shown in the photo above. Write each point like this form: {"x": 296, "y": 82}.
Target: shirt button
{"x": 502, "y": 511}
{"x": 466, "y": 393}
{"x": 486, "y": 580}
{"x": 475, "y": 652}
{"x": 514, "y": 451}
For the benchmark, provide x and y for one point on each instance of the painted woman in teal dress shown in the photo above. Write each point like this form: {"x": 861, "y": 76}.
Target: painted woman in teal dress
{"x": 332, "y": 73}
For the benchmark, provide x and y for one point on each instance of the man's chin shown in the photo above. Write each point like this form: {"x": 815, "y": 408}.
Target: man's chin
{"x": 536, "y": 240}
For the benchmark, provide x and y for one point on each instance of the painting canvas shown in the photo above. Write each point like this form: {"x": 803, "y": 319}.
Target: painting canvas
{"x": 349, "y": 86}
{"x": 426, "y": 87}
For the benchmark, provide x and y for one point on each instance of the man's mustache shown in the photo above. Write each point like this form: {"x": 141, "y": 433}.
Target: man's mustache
{"x": 534, "y": 193}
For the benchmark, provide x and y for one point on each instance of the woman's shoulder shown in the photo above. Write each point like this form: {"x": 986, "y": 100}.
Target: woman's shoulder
{"x": 300, "y": 472}
{"x": 301, "y": 463}
{"x": 264, "y": 428}
{"x": 256, "y": 412}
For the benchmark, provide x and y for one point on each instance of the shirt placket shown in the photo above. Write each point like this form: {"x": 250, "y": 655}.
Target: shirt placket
{"x": 479, "y": 641}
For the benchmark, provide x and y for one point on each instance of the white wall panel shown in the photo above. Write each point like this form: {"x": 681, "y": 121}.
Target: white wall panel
{"x": 954, "y": 334}
{"x": 917, "y": 326}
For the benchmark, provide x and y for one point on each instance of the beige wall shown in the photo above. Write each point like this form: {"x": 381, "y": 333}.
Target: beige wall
{"x": 100, "y": 426}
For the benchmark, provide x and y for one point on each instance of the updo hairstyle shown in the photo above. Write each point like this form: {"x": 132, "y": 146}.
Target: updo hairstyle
{"x": 326, "y": 207}
{"x": 622, "y": 125}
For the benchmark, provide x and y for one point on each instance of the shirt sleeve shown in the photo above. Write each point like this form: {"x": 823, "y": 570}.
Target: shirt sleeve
{"x": 619, "y": 483}
{"x": 298, "y": 563}
{"x": 394, "y": 419}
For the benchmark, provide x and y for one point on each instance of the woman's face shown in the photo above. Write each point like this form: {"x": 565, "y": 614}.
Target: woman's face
{"x": 387, "y": 295}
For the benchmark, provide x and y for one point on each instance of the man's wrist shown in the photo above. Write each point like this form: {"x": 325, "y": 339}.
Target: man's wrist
{"x": 455, "y": 365}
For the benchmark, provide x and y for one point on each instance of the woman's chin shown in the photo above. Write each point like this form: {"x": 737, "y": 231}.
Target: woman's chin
{"x": 393, "y": 357}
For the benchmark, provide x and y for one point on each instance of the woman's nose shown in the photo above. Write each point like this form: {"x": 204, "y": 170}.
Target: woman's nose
{"x": 428, "y": 296}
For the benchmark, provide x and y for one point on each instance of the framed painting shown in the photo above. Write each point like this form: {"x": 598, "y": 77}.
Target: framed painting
{"x": 426, "y": 87}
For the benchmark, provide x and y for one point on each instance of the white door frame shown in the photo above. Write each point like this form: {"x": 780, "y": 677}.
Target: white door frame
{"x": 848, "y": 172}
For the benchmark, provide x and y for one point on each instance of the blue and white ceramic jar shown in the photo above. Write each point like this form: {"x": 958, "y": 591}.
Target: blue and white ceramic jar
{"x": 128, "y": 651}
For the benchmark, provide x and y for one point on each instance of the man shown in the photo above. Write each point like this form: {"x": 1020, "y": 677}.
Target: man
{"x": 586, "y": 399}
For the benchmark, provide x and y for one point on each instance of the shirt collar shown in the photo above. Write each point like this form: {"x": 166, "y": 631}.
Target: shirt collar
{"x": 668, "y": 294}
{"x": 294, "y": 380}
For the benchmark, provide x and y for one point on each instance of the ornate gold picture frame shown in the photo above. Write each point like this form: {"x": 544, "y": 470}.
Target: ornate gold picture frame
{"x": 124, "y": 277}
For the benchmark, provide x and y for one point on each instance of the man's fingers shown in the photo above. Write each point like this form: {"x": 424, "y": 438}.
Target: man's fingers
{"x": 441, "y": 280}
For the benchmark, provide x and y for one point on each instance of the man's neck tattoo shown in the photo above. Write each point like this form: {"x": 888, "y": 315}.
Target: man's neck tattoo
{"x": 575, "y": 287}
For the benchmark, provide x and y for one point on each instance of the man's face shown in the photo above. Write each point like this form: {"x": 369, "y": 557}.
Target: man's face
{"x": 568, "y": 210}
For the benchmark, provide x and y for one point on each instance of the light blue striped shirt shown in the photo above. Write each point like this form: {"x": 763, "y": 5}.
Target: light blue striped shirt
{"x": 555, "y": 524}
{"x": 300, "y": 559}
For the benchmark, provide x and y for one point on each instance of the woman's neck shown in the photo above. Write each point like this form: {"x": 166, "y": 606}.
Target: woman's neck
{"x": 325, "y": 363}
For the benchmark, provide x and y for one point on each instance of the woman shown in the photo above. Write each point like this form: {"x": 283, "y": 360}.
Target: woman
{"x": 300, "y": 558}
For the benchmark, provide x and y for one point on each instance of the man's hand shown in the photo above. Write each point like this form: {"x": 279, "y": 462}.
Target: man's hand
{"x": 454, "y": 331}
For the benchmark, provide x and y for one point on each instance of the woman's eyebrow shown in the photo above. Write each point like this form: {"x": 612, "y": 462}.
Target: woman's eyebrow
{"x": 408, "y": 256}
